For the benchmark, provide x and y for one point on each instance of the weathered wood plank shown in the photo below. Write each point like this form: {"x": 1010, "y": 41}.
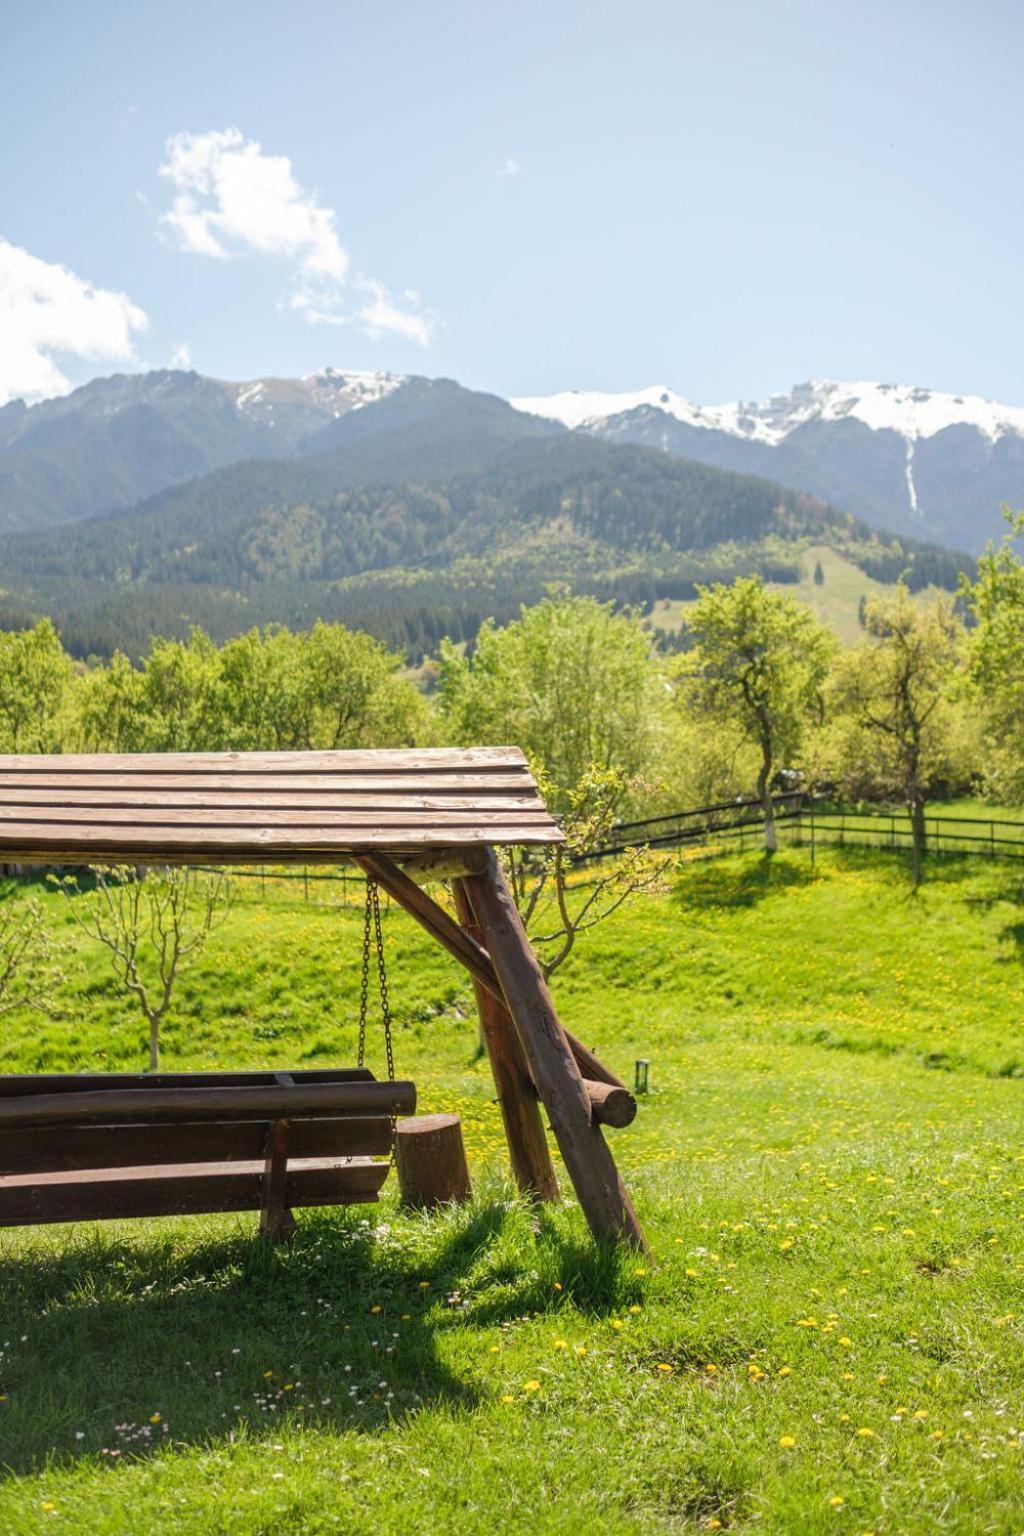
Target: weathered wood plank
{"x": 66, "y": 1148}
{"x": 284, "y": 800}
{"x": 359, "y": 760}
{"x": 191, "y": 1189}
{"x": 132, "y": 1105}
{"x": 13, "y": 1084}
{"x": 243, "y": 819}
{"x": 297, "y": 784}
{"x": 34, "y": 842}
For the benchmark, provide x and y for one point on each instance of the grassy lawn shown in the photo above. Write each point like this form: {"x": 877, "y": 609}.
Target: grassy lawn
{"x": 830, "y": 1334}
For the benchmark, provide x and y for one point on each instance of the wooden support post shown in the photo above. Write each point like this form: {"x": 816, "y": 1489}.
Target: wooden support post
{"x": 431, "y": 1161}
{"x": 553, "y": 1068}
{"x": 276, "y": 1220}
{"x": 517, "y": 1097}
{"x": 462, "y": 945}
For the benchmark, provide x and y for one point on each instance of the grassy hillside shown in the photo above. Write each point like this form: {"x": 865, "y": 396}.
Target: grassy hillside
{"x": 835, "y": 602}
{"x": 828, "y": 1337}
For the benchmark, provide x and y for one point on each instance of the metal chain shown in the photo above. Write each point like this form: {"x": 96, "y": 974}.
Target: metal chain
{"x": 365, "y": 987}
{"x": 385, "y": 1004}
{"x": 372, "y": 933}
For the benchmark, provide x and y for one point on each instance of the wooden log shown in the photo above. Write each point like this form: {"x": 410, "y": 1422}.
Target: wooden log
{"x": 602, "y": 1194}
{"x": 135, "y": 1104}
{"x": 445, "y": 864}
{"x": 431, "y": 1161}
{"x": 609, "y": 1105}
{"x": 517, "y": 1096}
{"x": 464, "y": 946}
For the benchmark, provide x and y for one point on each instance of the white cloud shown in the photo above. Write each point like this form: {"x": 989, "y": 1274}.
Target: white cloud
{"x": 46, "y": 312}
{"x": 511, "y": 168}
{"x": 181, "y": 356}
{"x": 231, "y": 199}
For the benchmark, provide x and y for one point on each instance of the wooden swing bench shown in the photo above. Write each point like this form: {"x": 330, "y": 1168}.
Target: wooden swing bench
{"x": 88, "y": 1147}
{"x": 103, "y": 1145}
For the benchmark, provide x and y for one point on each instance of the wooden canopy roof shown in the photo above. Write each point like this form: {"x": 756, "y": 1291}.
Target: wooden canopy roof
{"x": 265, "y": 807}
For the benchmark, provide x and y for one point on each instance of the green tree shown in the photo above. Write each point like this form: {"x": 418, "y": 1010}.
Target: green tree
{"x": 112, "y": 708}
{"x": 572, "y": 682}
{"x": 36, "y": 682}
{"x": 996, "y": 657}
{"x": 154, "y": 924}
{"x": 759, "y": 663}
{"x": 896, "y": 715}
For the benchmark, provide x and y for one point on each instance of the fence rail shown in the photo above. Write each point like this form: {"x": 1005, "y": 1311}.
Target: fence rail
{"x": 802, "y": 822}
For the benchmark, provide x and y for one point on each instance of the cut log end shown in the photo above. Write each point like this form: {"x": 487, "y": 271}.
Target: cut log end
{"x": 610, "y": 1105}
{"x": 431, "y": 1161}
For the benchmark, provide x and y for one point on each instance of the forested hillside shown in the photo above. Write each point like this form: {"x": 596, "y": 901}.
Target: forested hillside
{"x": 292, "y": 541}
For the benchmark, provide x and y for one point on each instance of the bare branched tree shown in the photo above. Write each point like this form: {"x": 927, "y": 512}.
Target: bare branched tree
{"x": 558, "y": 901}
{"x": 154, "y": 923}
{"x": 27, "y": 970}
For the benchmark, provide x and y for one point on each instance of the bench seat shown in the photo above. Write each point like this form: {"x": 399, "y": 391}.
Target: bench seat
{"x": 107, "y": 1145}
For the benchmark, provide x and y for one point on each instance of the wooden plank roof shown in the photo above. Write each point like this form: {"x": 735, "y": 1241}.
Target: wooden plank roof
{"x": 265, "y": 807}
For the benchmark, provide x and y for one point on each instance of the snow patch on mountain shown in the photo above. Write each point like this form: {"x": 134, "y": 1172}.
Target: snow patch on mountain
{"x": 911, "y": 412}
{"x": 330, "y": 391}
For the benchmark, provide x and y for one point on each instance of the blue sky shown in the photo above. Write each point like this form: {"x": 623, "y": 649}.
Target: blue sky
{"x": 726, "y": 198}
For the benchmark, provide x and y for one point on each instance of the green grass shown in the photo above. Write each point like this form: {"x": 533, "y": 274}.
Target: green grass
{"x": 829, "y": 1168}
{"x": 835, "y": 603}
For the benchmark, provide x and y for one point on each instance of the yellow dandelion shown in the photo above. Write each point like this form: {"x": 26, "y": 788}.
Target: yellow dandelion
{"x": 154, "y": 1418}
{"x": 922, "y": 1413}
{"x": 786, "y": 1370}
{"x": 787, "y": 1442}
{"x": 837, "y": 1501}
{"x": 531, "y": 1386}
{"x": 865, "y": 1433}
{"x": 666, "y": 1368}
{"x": 616, "y": 1323}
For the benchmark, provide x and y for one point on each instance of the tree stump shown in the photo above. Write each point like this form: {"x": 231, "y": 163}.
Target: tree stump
{"x": 431, "y": 1161}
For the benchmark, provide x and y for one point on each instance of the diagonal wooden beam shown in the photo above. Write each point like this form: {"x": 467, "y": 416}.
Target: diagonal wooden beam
{"x": 467, "y": 950}
{"x": 601, "y": 1192}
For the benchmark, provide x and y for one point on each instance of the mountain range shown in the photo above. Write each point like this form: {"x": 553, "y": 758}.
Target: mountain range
{"x": 409, "y": 507}
{"x": 933, "y": 466}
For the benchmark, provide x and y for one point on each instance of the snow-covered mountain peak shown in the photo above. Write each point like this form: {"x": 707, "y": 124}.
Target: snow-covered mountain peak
{"x": 910, "y": 411}
{"x": 329, "y": 391}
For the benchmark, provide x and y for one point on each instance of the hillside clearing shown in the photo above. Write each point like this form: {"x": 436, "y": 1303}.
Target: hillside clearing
{"x": 829, "y": 1336}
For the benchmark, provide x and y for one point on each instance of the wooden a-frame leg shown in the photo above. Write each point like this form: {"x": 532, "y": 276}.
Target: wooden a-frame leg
{"x": 276, "y": 1220}
{"x": 517, "y": 1097}
{"x": 602, "y": 1194}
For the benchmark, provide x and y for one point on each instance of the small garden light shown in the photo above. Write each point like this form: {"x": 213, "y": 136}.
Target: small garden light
{"x": 641, "y": 1071}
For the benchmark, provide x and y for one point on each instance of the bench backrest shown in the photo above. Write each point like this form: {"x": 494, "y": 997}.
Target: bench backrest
{"x": 62, "y": 1123}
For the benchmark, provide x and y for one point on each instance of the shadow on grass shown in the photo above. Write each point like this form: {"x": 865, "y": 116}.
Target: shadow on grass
{"x": 116, "y": 1347}
{"x": 715, "y": 885}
